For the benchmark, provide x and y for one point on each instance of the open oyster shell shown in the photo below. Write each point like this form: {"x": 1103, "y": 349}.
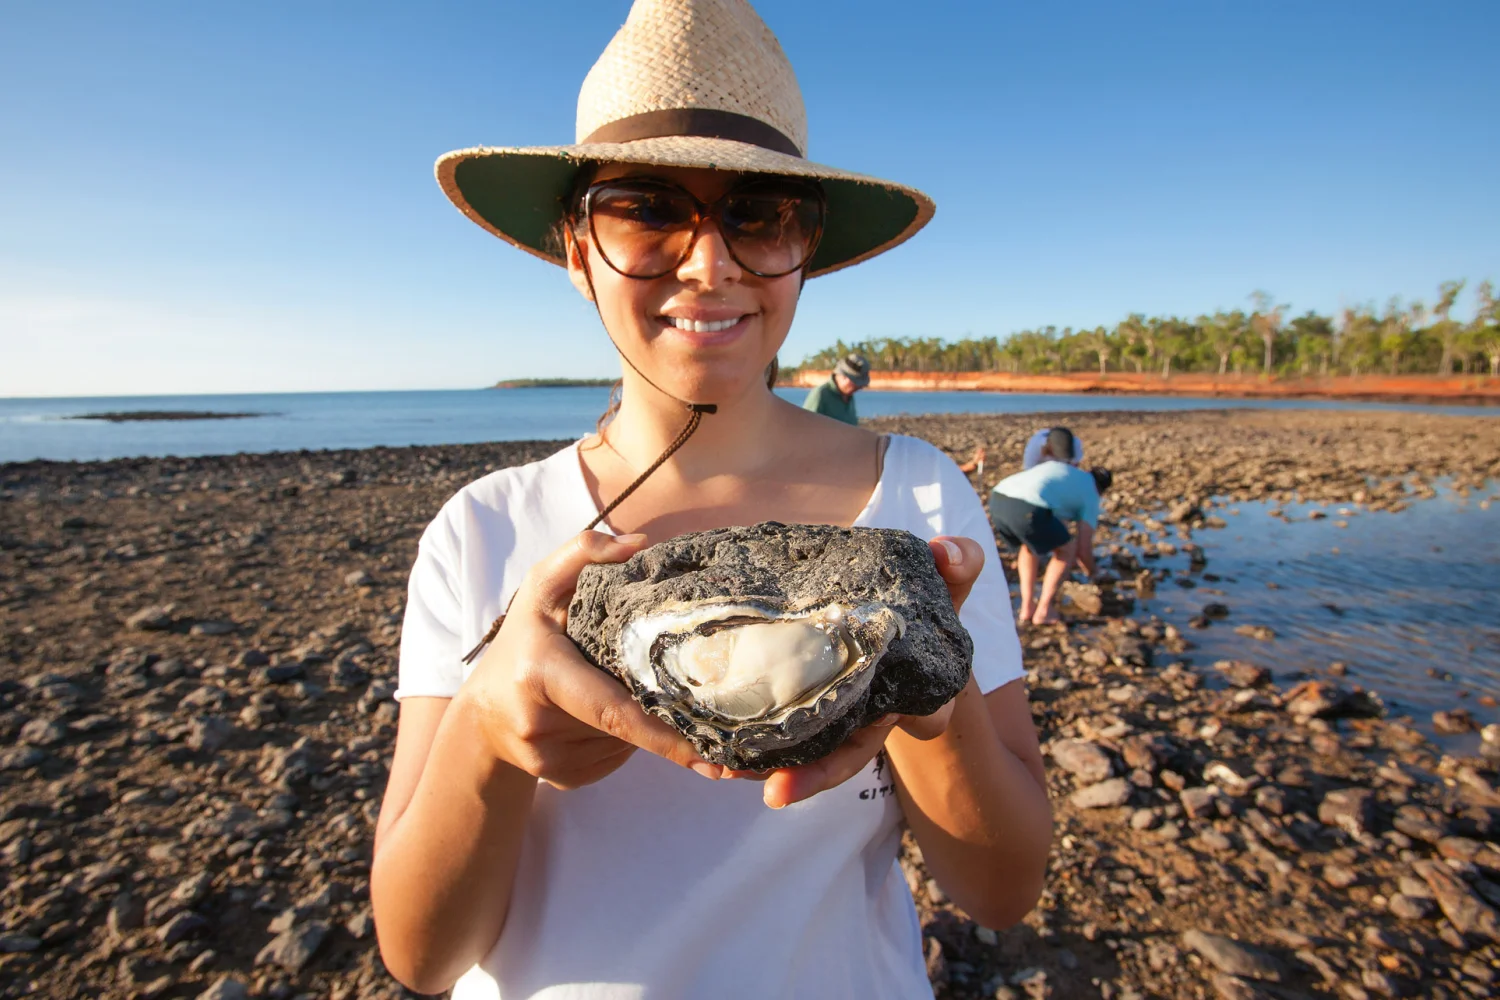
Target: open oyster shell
{"x": 767, "y": 646}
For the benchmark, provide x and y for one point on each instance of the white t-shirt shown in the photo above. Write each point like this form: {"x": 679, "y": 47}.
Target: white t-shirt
{"x": 656, "y": 882}
{"x": 1032, "y": 455}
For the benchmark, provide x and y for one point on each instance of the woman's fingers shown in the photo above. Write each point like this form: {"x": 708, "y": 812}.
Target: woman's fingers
{"x": 927, "y": 727}
{"x": 959, "y": 561}
{"x": 793, "y": 784}
{"x": 550, "y": 584}
{"x": 593, "y": 697}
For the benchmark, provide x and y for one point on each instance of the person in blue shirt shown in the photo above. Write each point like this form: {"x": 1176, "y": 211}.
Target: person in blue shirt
{"x": 1031, "y": 510}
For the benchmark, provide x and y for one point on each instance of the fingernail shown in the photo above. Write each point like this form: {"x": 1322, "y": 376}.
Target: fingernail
{"x": 888, "y": 719}
{"x": 955, "y": 554}
{"x": 703, "y": 767}
{"x": 635, "y": 538}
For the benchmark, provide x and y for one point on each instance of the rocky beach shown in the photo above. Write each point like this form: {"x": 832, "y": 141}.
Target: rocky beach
{"x": 197, "y": 658}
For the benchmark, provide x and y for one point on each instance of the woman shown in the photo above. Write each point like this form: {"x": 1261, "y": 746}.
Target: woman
{"x": 524, "y": 846}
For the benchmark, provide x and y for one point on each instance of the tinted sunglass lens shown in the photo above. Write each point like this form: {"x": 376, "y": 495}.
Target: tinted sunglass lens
{"x": 772, "y": 228}
{"x": 642, "y": 231}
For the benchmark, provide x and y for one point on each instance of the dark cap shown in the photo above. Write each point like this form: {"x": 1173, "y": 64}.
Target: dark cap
{"x": 1060, "y": 443}
{"x": 856, "y": 369}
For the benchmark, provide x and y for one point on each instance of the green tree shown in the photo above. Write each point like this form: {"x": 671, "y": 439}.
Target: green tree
{"x": 1266, "y": 322}
{"x": 1223, "y": 332}
{"x": 1446, "y": 328}
{"x": 1484, "y": 331}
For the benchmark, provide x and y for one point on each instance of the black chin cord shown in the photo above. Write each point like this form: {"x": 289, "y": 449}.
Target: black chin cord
{"x": 695, "y": 417}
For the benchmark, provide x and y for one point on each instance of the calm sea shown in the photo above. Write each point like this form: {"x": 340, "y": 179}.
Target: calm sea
{"x": 43, "y": 428}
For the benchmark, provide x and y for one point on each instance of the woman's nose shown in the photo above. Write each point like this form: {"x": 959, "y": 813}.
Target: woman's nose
{"x": 708, "y": 261}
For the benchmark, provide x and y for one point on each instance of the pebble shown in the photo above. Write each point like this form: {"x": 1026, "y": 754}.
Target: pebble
{"x": 1105, "y": 794}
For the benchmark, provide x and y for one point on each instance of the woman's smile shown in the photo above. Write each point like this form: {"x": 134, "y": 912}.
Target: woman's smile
{"x": 706, "y": 327}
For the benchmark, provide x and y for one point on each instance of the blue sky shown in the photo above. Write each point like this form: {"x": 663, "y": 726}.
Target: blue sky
{"x": 221, "y": 198}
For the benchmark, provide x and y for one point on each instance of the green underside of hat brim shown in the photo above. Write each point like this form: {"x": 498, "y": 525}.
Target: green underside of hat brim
{"x": 521, "y": 196}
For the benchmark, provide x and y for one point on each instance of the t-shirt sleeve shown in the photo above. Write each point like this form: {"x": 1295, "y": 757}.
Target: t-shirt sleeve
{"x": 431, "y": 662}
{"x": 1088, "y": 502}
{"x": 987, "y": 613}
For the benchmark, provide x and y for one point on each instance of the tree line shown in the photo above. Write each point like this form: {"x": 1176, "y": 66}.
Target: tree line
{"x": 1401, "y": 338}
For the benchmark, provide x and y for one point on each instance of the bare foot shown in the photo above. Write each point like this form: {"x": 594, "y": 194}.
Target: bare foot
{"x": 1050, "y": 618}
{"x": 1024, "y": 618}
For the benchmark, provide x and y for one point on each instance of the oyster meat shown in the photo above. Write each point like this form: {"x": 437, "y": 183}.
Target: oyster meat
{"x": 767, "y": 646}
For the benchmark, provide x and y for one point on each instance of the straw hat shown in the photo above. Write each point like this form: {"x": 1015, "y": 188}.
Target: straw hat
{"x": 685, "y": 83}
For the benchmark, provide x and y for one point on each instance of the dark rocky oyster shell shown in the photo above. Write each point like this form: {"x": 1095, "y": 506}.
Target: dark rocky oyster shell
{"x": 885, "y": 579}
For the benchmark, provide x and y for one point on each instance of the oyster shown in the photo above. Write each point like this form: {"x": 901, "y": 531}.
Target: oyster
{"x": 767, "y": 646}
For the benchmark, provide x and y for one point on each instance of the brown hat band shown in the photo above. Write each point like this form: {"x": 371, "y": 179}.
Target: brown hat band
{"x": 703, "y": 123}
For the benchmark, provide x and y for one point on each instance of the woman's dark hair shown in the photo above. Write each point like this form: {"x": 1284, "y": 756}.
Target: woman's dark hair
{"x": 1103, "y": 479}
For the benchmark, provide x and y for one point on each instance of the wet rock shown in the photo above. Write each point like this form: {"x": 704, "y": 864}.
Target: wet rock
{"x": 1232, "y": 957}
{"x": 1263, "y": 633}
{"x": 1242, "y": 674}
{"x": 1087, "y": 761}
{"x": 1454, "y": 722}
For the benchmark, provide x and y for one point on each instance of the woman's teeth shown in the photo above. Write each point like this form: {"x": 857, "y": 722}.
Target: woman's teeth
{"x": 696, "y": 326}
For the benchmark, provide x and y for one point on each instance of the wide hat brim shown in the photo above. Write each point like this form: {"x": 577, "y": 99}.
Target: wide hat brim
{"x": 520, "y": 193}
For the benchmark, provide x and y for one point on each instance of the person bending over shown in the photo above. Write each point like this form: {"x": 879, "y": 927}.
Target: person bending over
{"x": 1031, "y": 511}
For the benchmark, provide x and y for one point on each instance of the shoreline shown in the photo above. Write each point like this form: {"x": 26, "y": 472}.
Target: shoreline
{"x": 1465, "y": 389}
{"x": 197, "y": 657}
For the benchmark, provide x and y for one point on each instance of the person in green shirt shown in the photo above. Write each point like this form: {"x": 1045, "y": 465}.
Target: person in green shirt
{"x": 835, "y": 398}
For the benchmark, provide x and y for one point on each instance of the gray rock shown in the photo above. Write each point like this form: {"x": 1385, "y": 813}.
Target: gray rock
{"x": 1463, "y": 908}
{"x": 1232, "y": 957}
{"x": 1199, "y": 802}
{"x": 209, "y": 734}
{"x": 213, "y": 628}
{"x": 21, "y": 758}
{"x": 11, "y": 944}
{"x": 1242, "y": 674}
{"x": 126, "y": 913}
{"x": 1089, "y": 762}
{"x": 183, "y": 925}
{"x": 1105, "y": 794}
{"x": 362, "y": 924}
{"x": 1227, "y": 987}
{"x": 1350, "y": 809}
{"x": 294, "y": 947}
{"x": 42, "y": 733}
{"x": 796, "y": 566}
{"x": 1406, "y": 907}
{"x": 227, "y": 988}
{"x": 153, "y": 619}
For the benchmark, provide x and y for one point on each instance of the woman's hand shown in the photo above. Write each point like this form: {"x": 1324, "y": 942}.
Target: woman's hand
{"x": 543, "y": 708}
{"x": 959, "y": 561}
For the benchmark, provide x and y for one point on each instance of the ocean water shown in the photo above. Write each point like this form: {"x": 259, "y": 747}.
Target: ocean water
{"x": 43, "y": 428}
{"x": 1396, "y": 597}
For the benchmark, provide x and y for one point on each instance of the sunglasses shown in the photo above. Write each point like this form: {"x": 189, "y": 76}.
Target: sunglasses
{"x": 646, "y": 228}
